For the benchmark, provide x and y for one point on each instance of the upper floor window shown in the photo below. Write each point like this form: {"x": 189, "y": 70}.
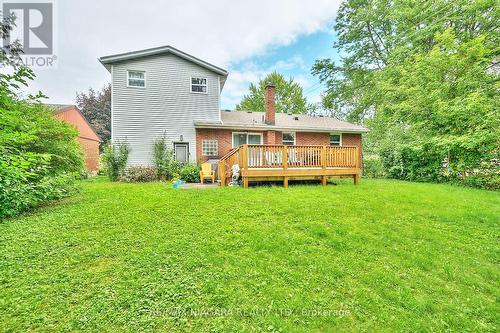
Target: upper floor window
{"x": 199, "y": 85}
{"x": 288, "y": 138}
{"x": 335, "y": 140}
{"x": 136, "y": 79}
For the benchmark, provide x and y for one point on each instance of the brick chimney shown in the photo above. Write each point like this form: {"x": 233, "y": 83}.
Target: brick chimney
{"x": 269, "y": 103}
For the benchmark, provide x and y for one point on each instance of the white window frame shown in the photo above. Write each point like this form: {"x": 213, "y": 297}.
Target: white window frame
{"x": 340, "y": 142}
{"x": 128, "y": 78}
{"x": 216, "y": 147}
{"x": 246, "y": 133}
{"x": 294, "y": 137}
{"x": 191, "y": 84}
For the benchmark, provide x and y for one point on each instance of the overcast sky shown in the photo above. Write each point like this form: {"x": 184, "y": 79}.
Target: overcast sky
{"x": 249, "y": 38}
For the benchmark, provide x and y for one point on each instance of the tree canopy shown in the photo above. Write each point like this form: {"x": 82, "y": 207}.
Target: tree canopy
{"x": 96, "y": 107}
{"x": 420, "y": 75}
{"x": 374, "y": 34}
{"x": 289, "y": 95}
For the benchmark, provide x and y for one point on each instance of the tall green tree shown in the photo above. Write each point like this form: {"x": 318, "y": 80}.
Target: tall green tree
{"x": 440, "y": 105}
{"x": 420, "y": 74}
{"x": 373, "y": 34}
{"x": 289, "y": 95}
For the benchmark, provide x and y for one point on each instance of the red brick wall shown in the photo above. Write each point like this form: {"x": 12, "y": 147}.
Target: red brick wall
{"x": 87, "y": 138}
{"x": 224, "y": 138}
{"x": 311, "y": 138}
{"x": 90, "y": 153}
{"x": 269, "y": 140}
{"x": 270, "y": 137}
{"x": 351, "y": 139}
{"x": 315, "y": 138}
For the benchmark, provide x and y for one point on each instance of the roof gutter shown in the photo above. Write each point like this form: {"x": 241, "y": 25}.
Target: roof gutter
{"x": 264, "y": 127}
{"x": 107, "y": 60}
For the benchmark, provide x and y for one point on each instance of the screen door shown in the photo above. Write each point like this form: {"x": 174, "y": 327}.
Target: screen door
{"x": 181, "y": 152}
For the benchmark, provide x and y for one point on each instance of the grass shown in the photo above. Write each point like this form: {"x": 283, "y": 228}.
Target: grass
{"x": 383, "y": 256}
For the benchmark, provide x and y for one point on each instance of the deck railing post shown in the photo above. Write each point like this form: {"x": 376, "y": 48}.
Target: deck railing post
{"x": 245, "y": 166}
{"x": 284, "y": 162}
{"x": 284, "y": 156}
{"x": 358, "y": 165}
{"x": 245, "y": 156}
{"x": 358, "y": 162}
{"x": 222, "y": 173}
{"x": 323, "y": 157}
{"x": 323, "y": 165}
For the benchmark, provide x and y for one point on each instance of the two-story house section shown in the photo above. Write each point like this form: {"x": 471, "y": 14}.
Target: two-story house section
{"x": 164, "y": 91}
{"x": 161, "y": 92}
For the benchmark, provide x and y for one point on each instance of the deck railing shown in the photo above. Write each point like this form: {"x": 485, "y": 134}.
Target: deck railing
{"x": 225, "y": 164}
{"x": 274, "y": 157}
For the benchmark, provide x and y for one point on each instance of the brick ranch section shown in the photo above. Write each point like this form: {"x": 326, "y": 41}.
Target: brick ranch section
{"x": 87, "y": 138}
{"x": 224, "y": 140}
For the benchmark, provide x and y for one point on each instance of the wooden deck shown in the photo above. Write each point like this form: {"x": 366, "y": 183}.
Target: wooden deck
{"x": 284, "y": 163}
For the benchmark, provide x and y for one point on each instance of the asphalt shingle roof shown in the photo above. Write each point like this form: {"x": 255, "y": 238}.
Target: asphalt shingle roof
{"x": 292, "y": 121}
{"x": 59, "y": 107}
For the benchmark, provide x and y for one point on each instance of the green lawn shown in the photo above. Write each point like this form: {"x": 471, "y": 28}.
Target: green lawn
{"x": 383, "y": 256}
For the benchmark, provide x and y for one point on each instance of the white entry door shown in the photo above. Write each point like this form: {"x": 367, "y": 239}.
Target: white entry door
{"x": 181, "y": 150}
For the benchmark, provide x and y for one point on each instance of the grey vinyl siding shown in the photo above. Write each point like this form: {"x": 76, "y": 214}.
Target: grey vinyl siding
{"x": 165, "y": 106}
